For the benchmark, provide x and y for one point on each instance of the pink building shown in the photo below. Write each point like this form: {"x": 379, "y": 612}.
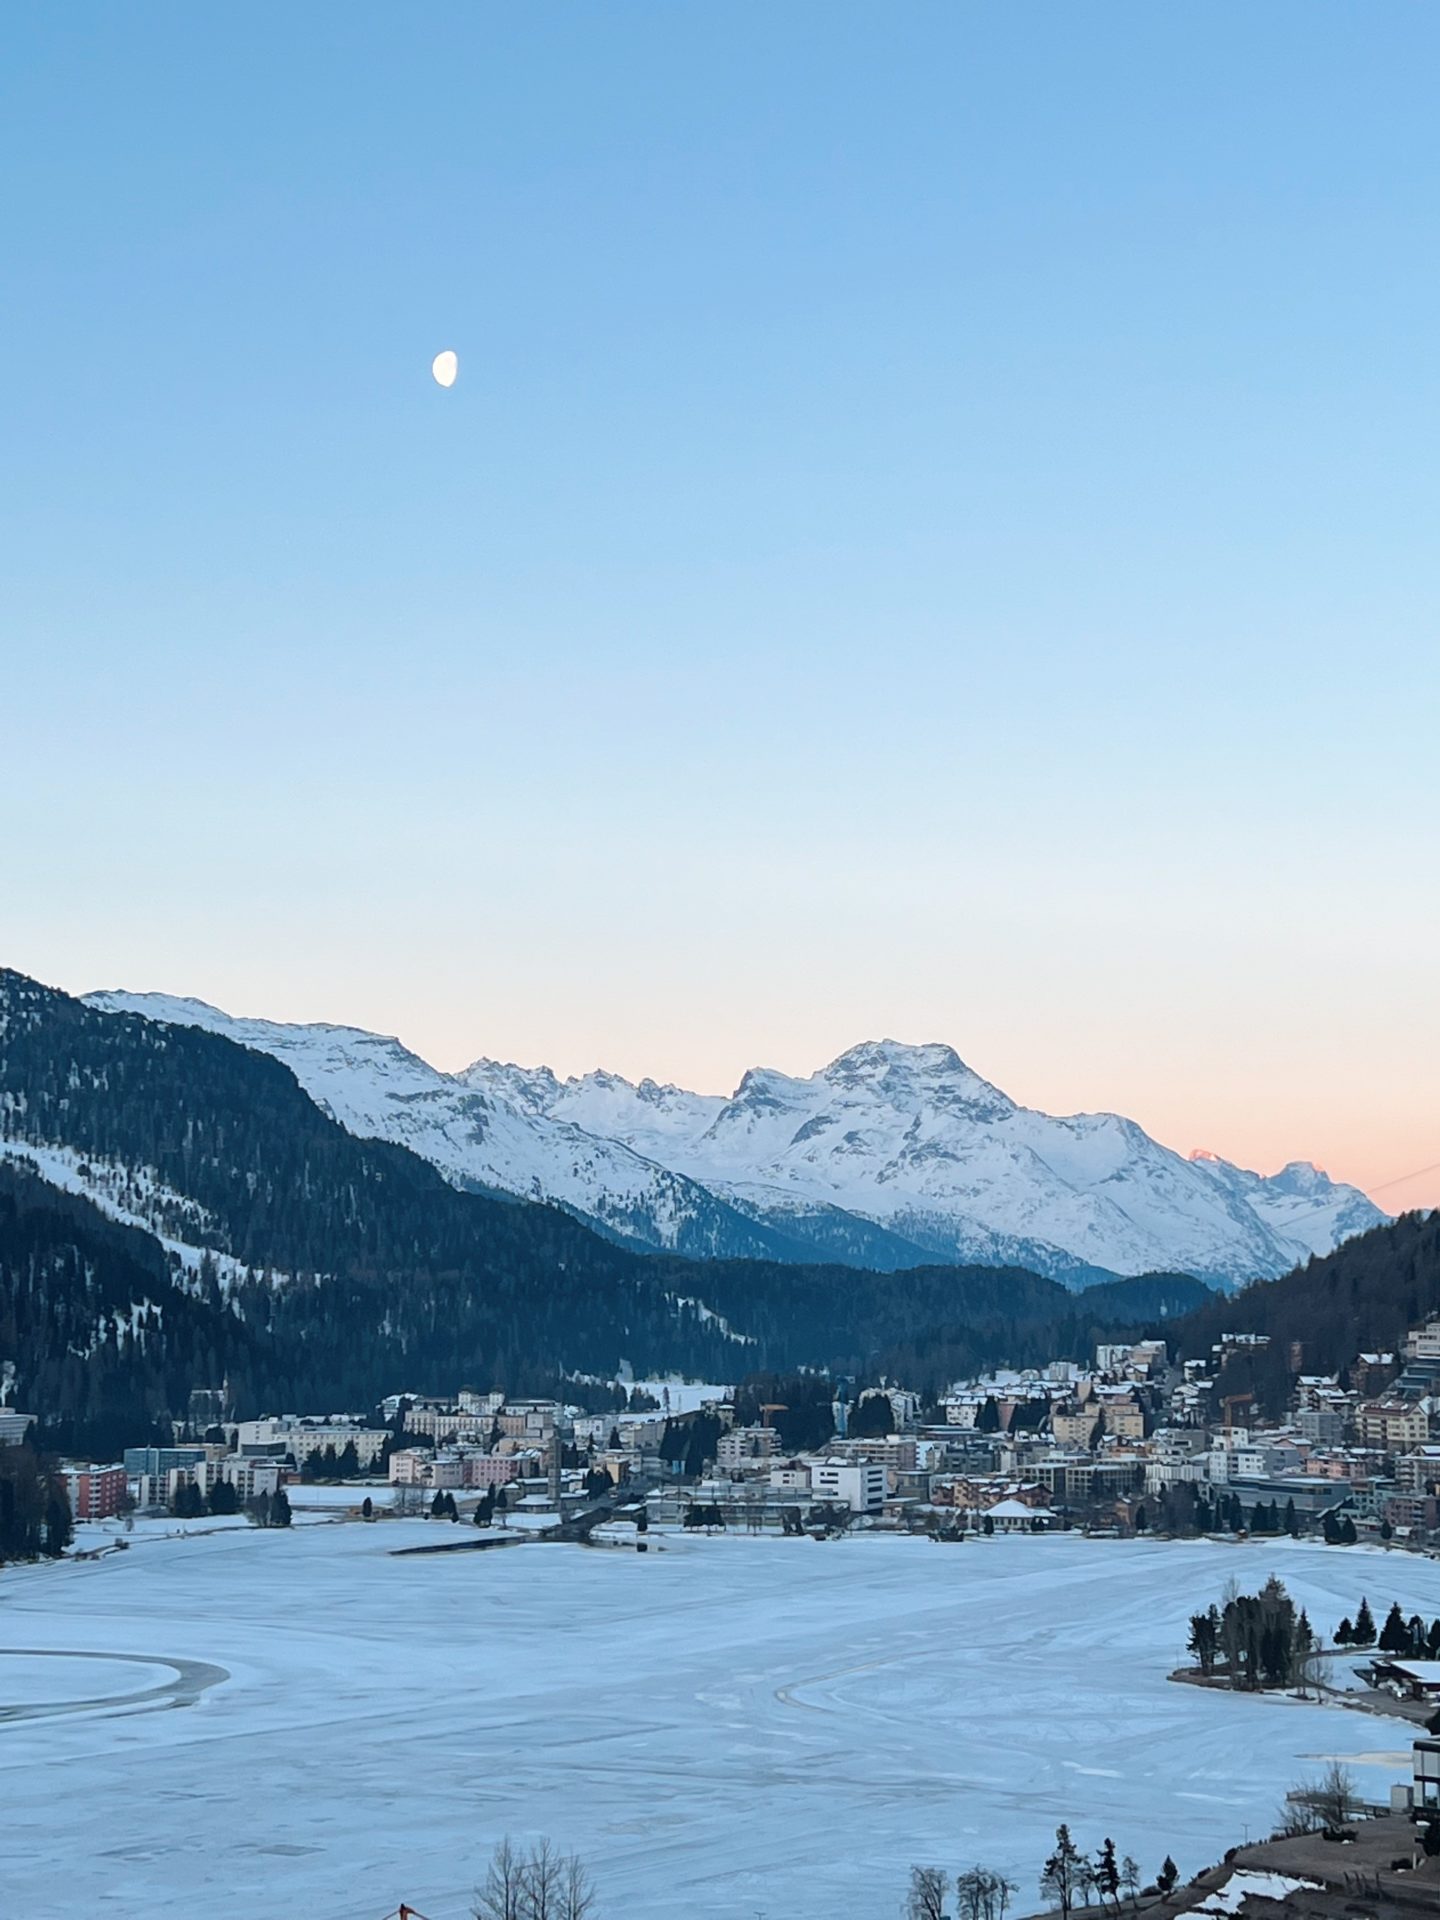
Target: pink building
{"x": 413, "y": 1467}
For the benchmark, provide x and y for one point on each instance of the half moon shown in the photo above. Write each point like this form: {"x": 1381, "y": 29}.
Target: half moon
{"x": 445, "y": 366}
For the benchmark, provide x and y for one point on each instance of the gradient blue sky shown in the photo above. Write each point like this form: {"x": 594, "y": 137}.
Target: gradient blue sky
{"x": 935, "y": 536}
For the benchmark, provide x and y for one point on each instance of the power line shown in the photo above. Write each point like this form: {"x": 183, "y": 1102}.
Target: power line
{"x": 1400, "y": 1180}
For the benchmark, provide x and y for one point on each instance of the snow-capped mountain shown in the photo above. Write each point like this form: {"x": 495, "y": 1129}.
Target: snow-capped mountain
{"x": 478, "y": 1137}
{"x": 891, "y": 1156}
{"x": 1300, "y": 1203}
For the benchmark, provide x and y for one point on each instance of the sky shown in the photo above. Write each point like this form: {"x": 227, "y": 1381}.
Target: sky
{"x": 933, "y": 537}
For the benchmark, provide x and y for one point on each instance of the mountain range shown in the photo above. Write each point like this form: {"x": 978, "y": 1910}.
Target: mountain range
{"x": 176, "y": 1210}
{"x": 892, "y": 1156}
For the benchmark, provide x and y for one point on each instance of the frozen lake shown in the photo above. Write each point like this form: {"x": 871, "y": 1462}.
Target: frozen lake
{"x": 726, "y": 1727}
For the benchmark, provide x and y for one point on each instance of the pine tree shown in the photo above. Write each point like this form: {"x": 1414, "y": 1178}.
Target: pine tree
{"x": 1364, "y": 1622}
{"x": 1167, "y": 1877}
{"x": 1394, "y": 1635}
{"x": 1107, "y": 1873}
{"x": 1204, "y": 1639}
{"x": 1060, "y": 1876}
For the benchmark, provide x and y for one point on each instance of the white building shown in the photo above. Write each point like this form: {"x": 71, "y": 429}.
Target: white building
{"x": 14, "y": 1426}
{"x": 301, "y": 1436}
{"x": 248, "y": 1476}
{"x": 856, "y": 1484}
{"x": 1013, "y": 1516}
{"x": 484, "y": 1406}
{"x": 792, "y": 1476}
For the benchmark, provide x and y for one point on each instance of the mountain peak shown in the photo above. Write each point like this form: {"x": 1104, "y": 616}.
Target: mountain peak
{"x": 872, "y": 1058}
{"x": 908, "y": 1079}
{"x": 1301, "y": 1176}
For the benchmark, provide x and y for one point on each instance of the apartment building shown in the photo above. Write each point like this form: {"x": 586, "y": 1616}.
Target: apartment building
{"x": 1395, "y": 1426}
{"x": 97, "y": 1493}
{"x": 1073, "y": 1424}
{"x": 894, "y": 1450}
{"x": 301, "y": 1436}
{"x": 856, "y": 1484}
{"x": 745, "y": 1446}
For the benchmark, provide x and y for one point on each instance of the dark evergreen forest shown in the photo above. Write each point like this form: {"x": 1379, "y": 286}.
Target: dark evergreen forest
{"x": 1359, "y": 1299}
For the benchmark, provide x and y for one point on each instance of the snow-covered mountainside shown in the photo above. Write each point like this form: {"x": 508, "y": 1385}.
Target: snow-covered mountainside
{"x": 1300, "y": 1202}
{"x": 890, "y": 1156}
{"x": 478, "y": 1138}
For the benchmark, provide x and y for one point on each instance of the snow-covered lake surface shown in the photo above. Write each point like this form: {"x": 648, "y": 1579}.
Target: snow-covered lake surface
{"x": 724, "y": 1727}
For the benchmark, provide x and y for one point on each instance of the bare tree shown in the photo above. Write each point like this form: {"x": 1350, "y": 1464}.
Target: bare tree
{"x": 501, "y": 1895}
{"x": 1328, "y": 1802}
{"x": 543, "y": 1884}
{"x": 544, "y": 1876}
{"x": 1085, "y": 1882}
{"x": 972, "y": 1894}
{"x": 928, "y": 1888}
{"x": 1130, "y": 1879}
{"x": 577, "y": 1889}
{"x": 1335, "y": 1795}
{"x": 1296, "y": 1815}
{"x": 983, "y": 1894}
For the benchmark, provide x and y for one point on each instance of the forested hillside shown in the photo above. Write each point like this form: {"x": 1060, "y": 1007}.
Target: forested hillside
{"x": 1027, "y": 1329}
{"x": 383, "y": 1267}
{"x": 94, "y": 1324}
{"x": 1361, "y": 1298}
{"x": 315, "y": 1269}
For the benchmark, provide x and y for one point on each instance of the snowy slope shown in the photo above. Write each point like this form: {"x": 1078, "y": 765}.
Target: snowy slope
{"x": 1300, "y": 1202}
{"x": 889, "y": 1156}
{"x": 912, "y": 1137}
{"x": 480, "y": 1138}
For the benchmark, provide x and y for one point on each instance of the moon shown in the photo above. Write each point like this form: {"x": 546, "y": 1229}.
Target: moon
{"x": 445, "y": 366}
